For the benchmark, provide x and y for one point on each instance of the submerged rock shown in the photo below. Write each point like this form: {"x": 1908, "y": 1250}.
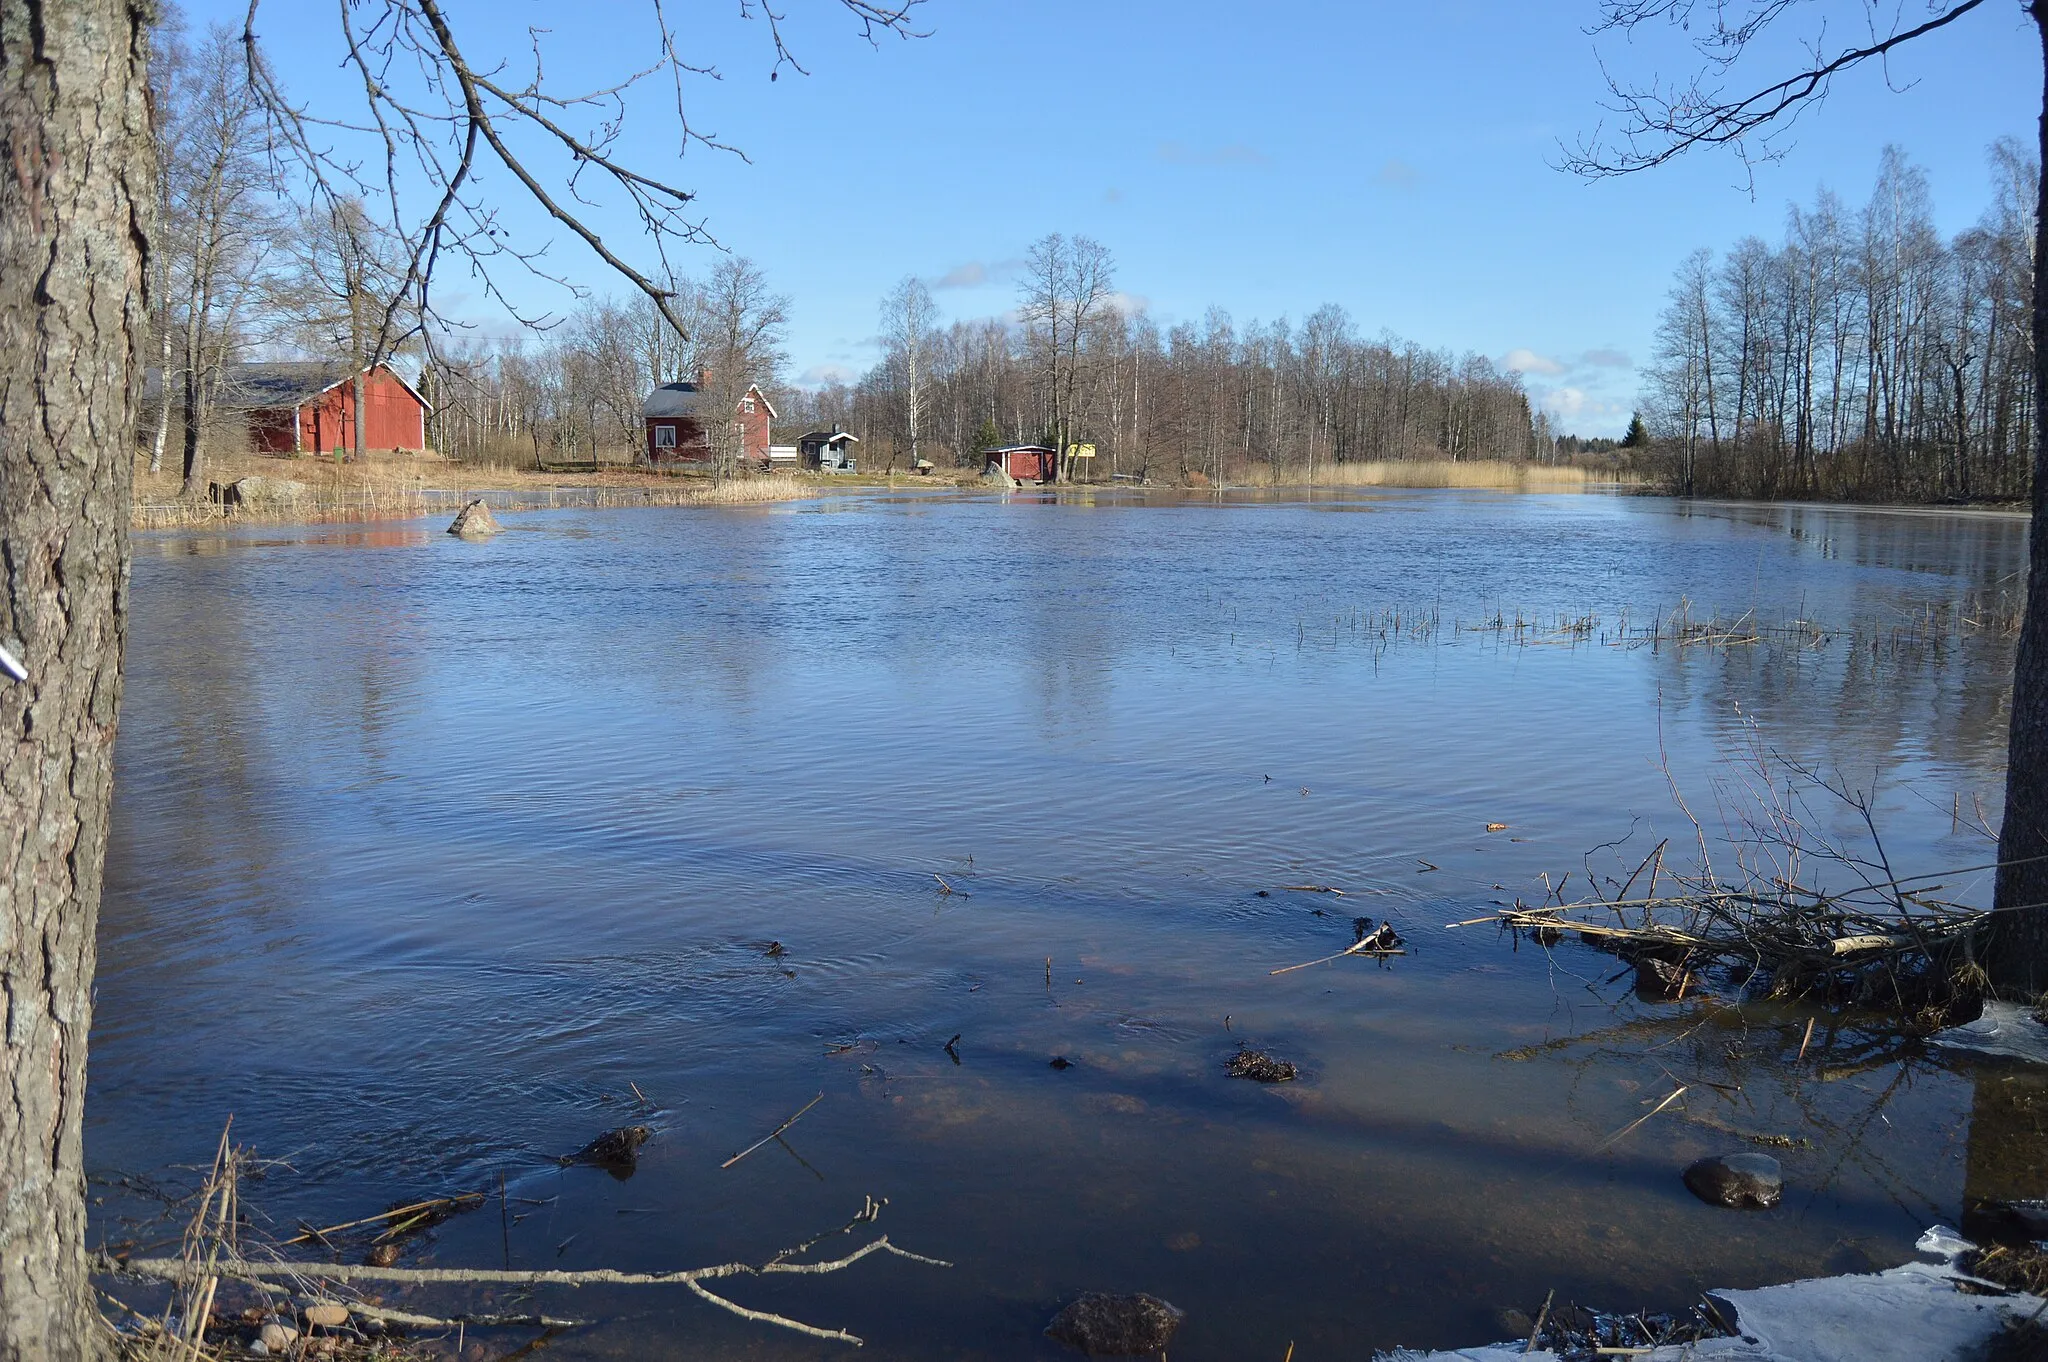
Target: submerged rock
{"x": 1737, "y": 1180}
{"x": 475, "y": 521}
{"x": 1260, "y": 1067}
{"x": 617, "y": 1151}
{"x": 1102, "y": 1325}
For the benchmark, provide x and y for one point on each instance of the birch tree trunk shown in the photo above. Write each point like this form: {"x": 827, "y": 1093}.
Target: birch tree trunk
{"x": 75, "y": 209}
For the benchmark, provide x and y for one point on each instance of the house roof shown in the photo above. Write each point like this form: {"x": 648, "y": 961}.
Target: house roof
{"x": 830, "y": 437}
{"x": 671, "y": 399}
{"x": 272, "y": 384}
{"x": 681, "y": 399}
{"x": 1021, "y": 449}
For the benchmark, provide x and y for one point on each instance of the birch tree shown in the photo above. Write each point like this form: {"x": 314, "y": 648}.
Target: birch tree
{"x": 909, "y": 331}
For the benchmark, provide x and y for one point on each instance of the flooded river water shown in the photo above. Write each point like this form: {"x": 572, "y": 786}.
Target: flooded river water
{"x": 428, "y": 855}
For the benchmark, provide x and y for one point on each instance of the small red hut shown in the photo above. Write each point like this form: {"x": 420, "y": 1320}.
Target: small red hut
{"x": 310, "y": 408}
{"x": 1025, "y": 463}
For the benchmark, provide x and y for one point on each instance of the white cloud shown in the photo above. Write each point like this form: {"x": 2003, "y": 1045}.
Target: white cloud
{"x": 1574, "y": 411}
{"x": 1396, "y": 173}
{"x": 1607, "y": 359}
{"x": 1527, "y": 361}
{"x": 976, "y": 273}
{"x": 1130, "y": 304}
{"x": 1234, "y": 154}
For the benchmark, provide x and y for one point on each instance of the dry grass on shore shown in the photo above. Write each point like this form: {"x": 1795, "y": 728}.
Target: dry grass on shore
{"x": 1494, "y": 474}
{"x": 400, "y": 489}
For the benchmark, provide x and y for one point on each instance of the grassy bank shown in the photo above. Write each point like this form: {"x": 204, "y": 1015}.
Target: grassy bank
{"x": 1495, "y": 474}
{"x": 400, "y": 488}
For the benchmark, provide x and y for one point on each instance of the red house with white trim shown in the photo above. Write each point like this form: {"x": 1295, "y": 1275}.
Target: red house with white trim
{"x": 673, "y": 415}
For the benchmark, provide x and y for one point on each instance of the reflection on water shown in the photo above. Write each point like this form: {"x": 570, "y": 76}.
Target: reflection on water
{"x": 426, "y": 852}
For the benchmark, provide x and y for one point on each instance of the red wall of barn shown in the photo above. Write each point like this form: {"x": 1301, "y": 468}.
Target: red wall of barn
{"x": 392, "y": 419}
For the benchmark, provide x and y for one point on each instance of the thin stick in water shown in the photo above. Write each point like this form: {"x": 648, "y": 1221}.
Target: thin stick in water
{"x": 773, "y": 1133}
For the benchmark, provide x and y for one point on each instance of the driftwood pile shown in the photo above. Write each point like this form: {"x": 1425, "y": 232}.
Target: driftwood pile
{"x": 1879, "y": 942}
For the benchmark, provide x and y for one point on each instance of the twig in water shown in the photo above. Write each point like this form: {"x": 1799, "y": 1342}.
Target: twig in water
{"x": 1630, "y": 1128}
{"x": 460, "y": 1201}
{"x": 1315, "y": 889}
{"x": 1541, "y": 1315}
{"x": 183, "y": 1271}
{"x": 952, "y": 1051}
{"x": 773, "y": 1133}
{"x": 944, "y": 888}
{"x": 1426, "y": 866}
{"x": 1365, "y": 947}
{"x": 1807, "y": 1039}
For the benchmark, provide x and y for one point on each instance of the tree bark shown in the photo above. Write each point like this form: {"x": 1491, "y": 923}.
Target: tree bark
{"x": 2017, "y": 953}
{"x": 75, "y": 207}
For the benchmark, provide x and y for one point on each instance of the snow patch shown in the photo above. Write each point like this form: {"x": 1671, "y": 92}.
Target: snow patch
{"x": 1912, "y": 1313}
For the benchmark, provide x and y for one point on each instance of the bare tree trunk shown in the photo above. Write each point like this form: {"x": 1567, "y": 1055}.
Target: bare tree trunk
{"x": 163, "y": 405}
{"x": 2018, "y": 957}
{"x": 75, "y": 210}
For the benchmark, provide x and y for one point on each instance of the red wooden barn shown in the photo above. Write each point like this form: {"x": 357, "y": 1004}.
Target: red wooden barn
{"x": 310, "y": 408}
{"x": 1025, "y": 463}
{"x": 674, "y": 417}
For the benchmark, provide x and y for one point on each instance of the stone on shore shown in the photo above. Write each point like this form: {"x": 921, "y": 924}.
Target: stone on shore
{"x": 1102, "y": 1325}
{"x": 475, "y": 521}
{"x": 1737, "y": 1180}
{"x": 256, "y": 489}
{"x": 326, "y": 1315}
{"x": 277, "y": 1337}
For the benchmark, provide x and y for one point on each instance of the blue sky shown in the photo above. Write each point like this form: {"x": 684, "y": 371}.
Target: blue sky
{"x": 1394, "y": 158}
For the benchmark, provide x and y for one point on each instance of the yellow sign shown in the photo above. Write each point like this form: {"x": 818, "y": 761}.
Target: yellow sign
{"x": 1080, "y": 451}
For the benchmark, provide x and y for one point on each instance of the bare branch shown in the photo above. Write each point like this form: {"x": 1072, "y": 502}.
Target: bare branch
{"x": 1660, "y": 121}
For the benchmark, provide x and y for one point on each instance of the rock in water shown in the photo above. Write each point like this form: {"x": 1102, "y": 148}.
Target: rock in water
{"x": 1737, "y": 1180}
{"x": 475, "y": 521}
{"x": 327, "y": 1315}
{"x": 255, "y": 488}
{"x": 615, "y": 1150}
{"x": 1260, "y": 1067}
{"x": 1102, "y": 1325}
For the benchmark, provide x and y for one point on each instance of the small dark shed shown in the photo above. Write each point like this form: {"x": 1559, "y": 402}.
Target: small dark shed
{"x": 829, "y": 451}
{"x": 1025, "y": 463}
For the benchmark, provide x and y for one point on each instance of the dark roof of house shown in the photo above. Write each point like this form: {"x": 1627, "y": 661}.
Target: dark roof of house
{"x": 286, "y": 384}
{"x": 273, "y": 384}
{"x": 672, "y": 399}
{"x": 680, "y": 399}
{"x": 829, "y": 437}
{"x": 1020, "y": 449}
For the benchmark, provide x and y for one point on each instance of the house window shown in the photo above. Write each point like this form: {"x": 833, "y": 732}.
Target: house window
{"x": 664, "y": 437}
{"x": 747, "y": 406}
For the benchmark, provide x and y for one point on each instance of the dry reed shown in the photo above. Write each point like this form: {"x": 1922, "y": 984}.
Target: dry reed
{"x": 1477, "y": 474}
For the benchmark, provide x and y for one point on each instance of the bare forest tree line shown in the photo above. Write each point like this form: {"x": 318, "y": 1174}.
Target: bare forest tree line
{"x": 1864, "y": 357}
{"x": 1079, "y": 364}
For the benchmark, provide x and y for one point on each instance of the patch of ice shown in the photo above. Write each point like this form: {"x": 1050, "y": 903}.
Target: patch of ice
{"x": 1943, "y": 1242}
{"x": 2006, "y": 1029}
{"x": 1910, "y": 1314}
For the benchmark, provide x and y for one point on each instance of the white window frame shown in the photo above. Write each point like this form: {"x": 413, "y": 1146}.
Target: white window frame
{"x": 664, "y": 437}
